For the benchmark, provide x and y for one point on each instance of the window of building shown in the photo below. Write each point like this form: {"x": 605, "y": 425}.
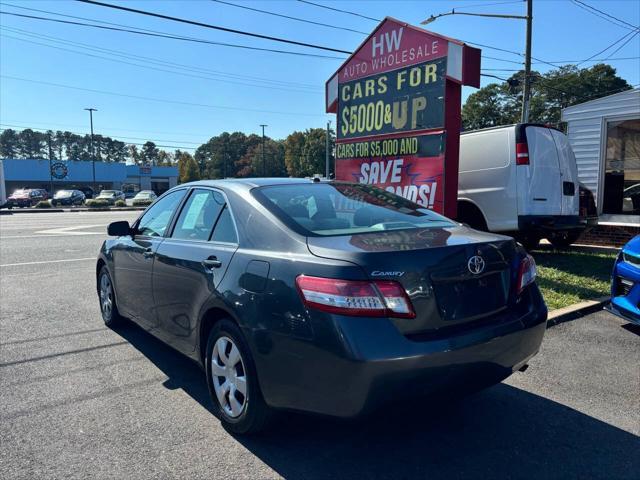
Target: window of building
{"x": 622, "y": 168}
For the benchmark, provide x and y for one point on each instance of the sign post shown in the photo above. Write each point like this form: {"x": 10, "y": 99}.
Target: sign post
{"x": 397, "y": 100}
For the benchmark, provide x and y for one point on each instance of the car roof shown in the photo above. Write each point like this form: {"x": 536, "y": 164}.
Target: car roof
{"x": 249, "y": 183}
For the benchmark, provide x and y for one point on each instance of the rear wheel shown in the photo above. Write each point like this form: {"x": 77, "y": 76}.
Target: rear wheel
{"x": 108, "y": 306}
{"x": 564, "y": 239}
{"x": 529, "y": 241}
{"x": 232, "y": 380}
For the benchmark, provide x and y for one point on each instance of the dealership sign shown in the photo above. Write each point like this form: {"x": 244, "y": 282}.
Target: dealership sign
{"x": 397, "y": 101}
{"x": 59, "y": 170}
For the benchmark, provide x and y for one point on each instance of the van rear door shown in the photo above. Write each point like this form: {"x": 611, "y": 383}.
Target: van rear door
{"x": 539, "y": 181}
{"x": 569, "y": 172}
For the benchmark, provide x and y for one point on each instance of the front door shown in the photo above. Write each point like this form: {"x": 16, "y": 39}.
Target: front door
{"x": 190, "y": 264}
{"x": 134, "y": 257}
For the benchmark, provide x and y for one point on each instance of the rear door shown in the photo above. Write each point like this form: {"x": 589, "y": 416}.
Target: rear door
{"x": 569, "y": 173}
{"x": 191, "y": 263}
{"x": 540, "y": 182}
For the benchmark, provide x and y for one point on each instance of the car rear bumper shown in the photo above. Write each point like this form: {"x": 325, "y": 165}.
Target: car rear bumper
{"x": 546, "y": 223}
{"x": 372, "y": 363}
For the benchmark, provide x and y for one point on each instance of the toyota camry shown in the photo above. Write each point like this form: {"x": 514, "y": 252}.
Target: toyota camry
{"x": 325, "y": 297}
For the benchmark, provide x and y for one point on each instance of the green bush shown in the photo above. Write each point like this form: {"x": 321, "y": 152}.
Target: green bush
{"x": 142, "y": 202}
{"x": 43, "y": 204}
{"x": 120, "y": 203}
{"x": 95, "y": 203}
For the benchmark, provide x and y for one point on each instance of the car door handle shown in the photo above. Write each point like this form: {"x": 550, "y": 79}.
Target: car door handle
{"x": 212, "y": 262}
{"x": 148, "y": 253}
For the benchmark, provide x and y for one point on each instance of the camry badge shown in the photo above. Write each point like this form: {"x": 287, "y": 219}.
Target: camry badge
{"x": 476, "y": 264}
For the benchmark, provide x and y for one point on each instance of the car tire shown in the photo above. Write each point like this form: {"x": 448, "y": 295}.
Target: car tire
{"x": 106, "y": 295}
{"x": 529, "y": 241}
{"x": 229, "y": 355}
{"x": 562, "y": 240}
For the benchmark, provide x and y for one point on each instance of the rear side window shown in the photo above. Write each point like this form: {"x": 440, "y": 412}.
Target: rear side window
{"x": 199, "y": 215}
{"x": 345, "y": 209}
{"x": 225, "y": 230}
{"x": 155, "y": 220}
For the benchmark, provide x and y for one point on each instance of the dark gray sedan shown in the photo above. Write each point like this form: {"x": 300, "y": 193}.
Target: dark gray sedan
{"x": 332, "y": 298}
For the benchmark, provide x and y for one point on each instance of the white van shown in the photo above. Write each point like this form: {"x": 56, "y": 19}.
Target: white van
{"x": 521, "y": 180}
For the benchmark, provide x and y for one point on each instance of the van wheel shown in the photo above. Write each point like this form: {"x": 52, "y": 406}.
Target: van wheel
{"x": 564, "y": 239}
{"x": 529, "y": 241}
{"x": 233, "y": 382}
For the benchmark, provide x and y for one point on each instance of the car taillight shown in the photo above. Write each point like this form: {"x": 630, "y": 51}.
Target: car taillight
{"x": 355, "y": 297}
{"x": 522, "y": 154}
{"x": 526, "y": 273}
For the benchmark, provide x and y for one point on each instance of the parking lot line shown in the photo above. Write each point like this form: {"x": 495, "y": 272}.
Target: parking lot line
{"x": 48, "y": 261}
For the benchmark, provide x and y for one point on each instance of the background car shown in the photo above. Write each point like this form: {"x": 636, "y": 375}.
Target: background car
{"x": 625, "y": 283}
{"x": 88, "y": 192}
{"x": 144, "y": 197}
{"x": 332, "y": 298}
{"x": 111, "y": 196}
{"x": 26, "y": 197}
{"x": 68, "y": 197}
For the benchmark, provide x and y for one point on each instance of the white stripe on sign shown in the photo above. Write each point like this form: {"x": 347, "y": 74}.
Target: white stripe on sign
{"x": 49, "y": 261}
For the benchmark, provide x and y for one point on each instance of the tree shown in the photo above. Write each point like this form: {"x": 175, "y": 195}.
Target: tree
{"x": 9, "y": 144}
{"x": 500, "y": 104}
{"x": 224, "y": 155}
{"x": 305, "y": 152}
{"x": 187, "y": 168}
{"x": 133, "y": 154}
{"x": 274, "y": 165}
{"x": 31, "y": 144}
{"x": 149, "y": 153}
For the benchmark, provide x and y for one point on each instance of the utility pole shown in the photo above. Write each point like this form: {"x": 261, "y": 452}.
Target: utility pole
{"x": 326, "y": 147}
{"x": 526, "y": 90}
{"x": 93, "y": 157}
{"x": 264, "y": 165}
{"x": 50, "y": 166}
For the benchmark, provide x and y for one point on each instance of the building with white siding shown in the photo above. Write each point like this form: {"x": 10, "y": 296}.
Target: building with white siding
{"x": 605, "y": 137}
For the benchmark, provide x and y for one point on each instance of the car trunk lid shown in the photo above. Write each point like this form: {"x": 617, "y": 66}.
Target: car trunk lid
{"x": 453, "y": 276}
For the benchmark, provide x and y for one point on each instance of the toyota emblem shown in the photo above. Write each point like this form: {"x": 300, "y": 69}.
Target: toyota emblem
{"x": 476, "y": 264}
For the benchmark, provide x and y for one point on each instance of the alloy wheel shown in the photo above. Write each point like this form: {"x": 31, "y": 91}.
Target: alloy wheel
{"x": 106, "y": 296}
{"x": 229, "y": 377}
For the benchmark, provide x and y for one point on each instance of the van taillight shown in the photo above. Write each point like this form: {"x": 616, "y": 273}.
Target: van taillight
{"x": 380, "y": 298}
{"x": 522, "y": 154}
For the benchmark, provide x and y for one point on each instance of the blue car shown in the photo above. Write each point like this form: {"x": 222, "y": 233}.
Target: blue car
{"x": 625, "y": 284}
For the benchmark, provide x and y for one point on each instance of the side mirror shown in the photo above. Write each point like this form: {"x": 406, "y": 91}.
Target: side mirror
{"x": 119, "y": 229}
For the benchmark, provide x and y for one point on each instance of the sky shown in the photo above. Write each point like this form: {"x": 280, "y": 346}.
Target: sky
{"x": 214, "y": 88}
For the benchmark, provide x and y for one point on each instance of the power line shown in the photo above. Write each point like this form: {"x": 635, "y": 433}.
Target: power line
{"x": 127, "y": 143}
{"x": 149, "y": 67}
{"x": 625, "y": 43}
{"x": 467, "y": 7}
{"x": 593, "y": 10}
{"x": 161, "y": 100}
{"x": 297, "y": 19}
{"x": 593, "y": 60}
{"x": 341, "y": 11}
{"x": 212, "y": 27}
{"x": 170, "y": 36}
{"x": 120, "y": 53}
{"x": 629, "y": 34}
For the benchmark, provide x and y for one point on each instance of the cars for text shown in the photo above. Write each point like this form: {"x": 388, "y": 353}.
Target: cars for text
{"x": 332, "y": 298}
{"x": 625, "y": 284}
{"x": 111, "y": 196}
{"x": 68, "y": 197}
{"x": 520, "y": 180}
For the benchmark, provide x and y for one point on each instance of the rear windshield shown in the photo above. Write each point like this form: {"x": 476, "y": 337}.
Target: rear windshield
{"x": 324, "y": 209}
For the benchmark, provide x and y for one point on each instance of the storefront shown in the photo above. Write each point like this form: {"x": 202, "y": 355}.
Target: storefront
{"x": 605, "y": 137}
{"x": 21, "y": 173}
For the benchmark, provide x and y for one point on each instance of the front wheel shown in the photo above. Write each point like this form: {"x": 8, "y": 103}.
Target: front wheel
{"x": 108, "y": 306}
{"x": 232, "y": 381}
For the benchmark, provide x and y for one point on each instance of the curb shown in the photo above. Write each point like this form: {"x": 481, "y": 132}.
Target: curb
{"x": 577, "y": 310}
{"x": 62, "y": 210}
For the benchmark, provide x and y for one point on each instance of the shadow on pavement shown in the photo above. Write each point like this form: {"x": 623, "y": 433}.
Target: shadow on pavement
{"x": 503, "y": 432}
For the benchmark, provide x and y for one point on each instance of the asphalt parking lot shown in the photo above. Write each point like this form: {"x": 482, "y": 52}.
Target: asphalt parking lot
{"x": 79, "y": 400}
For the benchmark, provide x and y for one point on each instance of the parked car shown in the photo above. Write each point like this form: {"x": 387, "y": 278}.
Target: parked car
{"x": 325, "y": 297}
{"x": 68, "y": 197}
{"x": 144, "y": 197}
{"x": 625, "y": 283}
{"x": 521, "y": 180}
{"x": 111, "y": 196}
{"x": 26, "y": 197}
